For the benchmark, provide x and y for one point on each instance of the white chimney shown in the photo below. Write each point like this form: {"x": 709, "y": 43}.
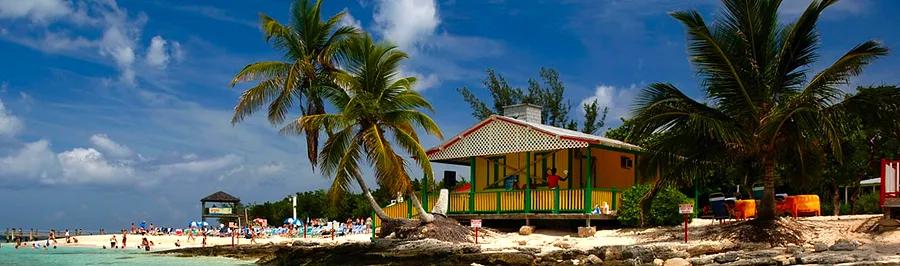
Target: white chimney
{"x": 524, "y": 111}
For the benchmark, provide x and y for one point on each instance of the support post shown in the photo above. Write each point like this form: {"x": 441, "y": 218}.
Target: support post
{"x": 589, "y": 184}
{"x": 408, "y": 210}
{"x": 373, "y": 226}
{"x": 614, "y": 190}
{"x": 472, "y": 184}
{"x": 569, "y": 156}
{"x": 556, "y": 200}
{"x": 528, "y": 182}
{"x": 425, "y": 193}
{"x": 498, "y": 202}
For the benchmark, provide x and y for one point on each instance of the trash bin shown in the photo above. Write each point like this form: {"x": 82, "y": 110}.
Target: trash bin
{"x": 509, "y": 183}
{"x": 758, "y": 192}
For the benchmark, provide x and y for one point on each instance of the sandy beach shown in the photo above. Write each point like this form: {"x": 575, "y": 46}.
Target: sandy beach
{"x": 167, "y": 242}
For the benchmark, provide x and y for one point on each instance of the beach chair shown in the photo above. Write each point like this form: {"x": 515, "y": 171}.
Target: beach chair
{"x": 720, "y": 210}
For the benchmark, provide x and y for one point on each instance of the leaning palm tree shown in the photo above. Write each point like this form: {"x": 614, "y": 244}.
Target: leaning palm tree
{"x": 377, "y": 113}
{"x": 761, "y": 106}
{"x": 309, "y": 46}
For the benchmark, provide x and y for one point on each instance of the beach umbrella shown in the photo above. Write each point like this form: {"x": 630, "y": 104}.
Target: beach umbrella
{"x": 298, "y": 222}
{"x": 193, "y": 224}
{"x": 289, "y": 221}
{"x": 204, "y": 223}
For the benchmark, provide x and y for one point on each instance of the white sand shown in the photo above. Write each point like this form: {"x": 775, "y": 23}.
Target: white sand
{"x": 168, "y": 241}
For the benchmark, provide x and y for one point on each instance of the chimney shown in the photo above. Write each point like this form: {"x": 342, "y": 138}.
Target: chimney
{"x": 524, "y": 111}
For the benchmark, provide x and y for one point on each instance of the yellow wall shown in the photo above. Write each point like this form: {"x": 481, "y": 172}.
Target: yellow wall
{"x": 607, "y": 170}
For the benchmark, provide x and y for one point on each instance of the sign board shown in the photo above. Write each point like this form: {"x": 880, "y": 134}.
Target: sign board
{"x": 476, "y": 223}
{"x": 686, "y": 208}
{"x": 219, "y": 211}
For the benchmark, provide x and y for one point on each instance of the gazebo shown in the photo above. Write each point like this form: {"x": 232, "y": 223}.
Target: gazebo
{"x": 219, "y": 204}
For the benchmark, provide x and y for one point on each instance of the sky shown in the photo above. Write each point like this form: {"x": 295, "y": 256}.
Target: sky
{"x": 119, "y": 111}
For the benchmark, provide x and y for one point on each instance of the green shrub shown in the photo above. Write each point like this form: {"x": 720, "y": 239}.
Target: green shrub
{"x": 868, "y": 204}
{"x": 663, "y": 208}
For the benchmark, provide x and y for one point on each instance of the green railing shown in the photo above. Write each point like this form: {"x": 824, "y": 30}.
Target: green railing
{"x": 533, "y": 201}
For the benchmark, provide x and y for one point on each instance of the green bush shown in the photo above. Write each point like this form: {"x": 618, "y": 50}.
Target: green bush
{"x": 663, "y": 208}
{"x": 868, "y": 204}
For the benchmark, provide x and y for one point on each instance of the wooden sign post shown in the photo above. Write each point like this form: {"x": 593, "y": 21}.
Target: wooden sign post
{"x": 686, "y": 210}
{"x": 476, "y": 223}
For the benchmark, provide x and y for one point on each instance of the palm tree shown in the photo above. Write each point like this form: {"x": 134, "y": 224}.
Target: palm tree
{"x": 760, "y": 107}
{"x": 309, "y": 46}
{"x": 376, "y": 111}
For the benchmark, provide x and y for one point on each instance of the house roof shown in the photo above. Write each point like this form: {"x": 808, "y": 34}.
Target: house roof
{"x": 501, "y": 135}
{"x": 220, "y": 197}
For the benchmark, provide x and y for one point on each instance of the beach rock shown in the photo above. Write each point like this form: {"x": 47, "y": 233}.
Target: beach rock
{"x": 593, "y": 259}
{"x": 793, "y": 249}
{"x": 825, "y": 258}
{"x": 531, "y": 250}
{"x": 727, "y": 257}
{"x": 705, "y": 249}
{"x": 844, "y": 245}
{"x": 587, "y": 231}
{"x": 752, "y": 262}
{"x": 563, "y": 244}
{"x": 703, "y": 260}
{"x": 765, "y": 253}
{"x": 785, "y": 260}
{"x": 526, "y": 230}
{"x": 676, "y": 262}
{"x": 819, "y": 246}
{"x": 522, "y": 242}
{"x": 610, "y": 252}
{"x": 658, "y": 262}
{"x": 565, "y": 254}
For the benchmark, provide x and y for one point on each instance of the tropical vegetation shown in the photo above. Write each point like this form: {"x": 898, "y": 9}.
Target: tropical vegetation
{"x": 762, "y": 109}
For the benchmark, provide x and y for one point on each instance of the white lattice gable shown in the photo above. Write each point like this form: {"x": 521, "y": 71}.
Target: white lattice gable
{"x": 498, "y": 136}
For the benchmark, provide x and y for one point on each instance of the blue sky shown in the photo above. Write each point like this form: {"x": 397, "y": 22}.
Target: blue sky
{"x": 117, "y": 111}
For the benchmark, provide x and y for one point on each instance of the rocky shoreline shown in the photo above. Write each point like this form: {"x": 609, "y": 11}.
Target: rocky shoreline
{"x": 433, "y": 252}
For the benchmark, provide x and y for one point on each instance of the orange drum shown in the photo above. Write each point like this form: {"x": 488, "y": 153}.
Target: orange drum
{"x": 801, "y": 204}
{"x": 744, "y": 209}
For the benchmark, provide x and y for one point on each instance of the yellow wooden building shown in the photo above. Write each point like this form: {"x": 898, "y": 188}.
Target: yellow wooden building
{"x": 509, "y": 157}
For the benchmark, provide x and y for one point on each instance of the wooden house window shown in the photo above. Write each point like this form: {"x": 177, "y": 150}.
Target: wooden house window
{"x": 626, "y": 162}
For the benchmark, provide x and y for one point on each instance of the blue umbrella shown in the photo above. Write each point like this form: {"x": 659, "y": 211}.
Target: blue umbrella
{"x": 193, "y": 224}
{"x": 298, "y": 222}
{"x": 204, "y": 223}
{"x": 289, "y": 221}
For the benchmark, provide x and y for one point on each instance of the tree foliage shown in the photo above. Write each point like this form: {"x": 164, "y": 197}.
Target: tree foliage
{"x": 763, "y": 106}
{"x": 549, "y": 93}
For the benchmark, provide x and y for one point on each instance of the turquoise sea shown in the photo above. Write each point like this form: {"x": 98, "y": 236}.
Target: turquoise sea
{"x": 95, "y": 256}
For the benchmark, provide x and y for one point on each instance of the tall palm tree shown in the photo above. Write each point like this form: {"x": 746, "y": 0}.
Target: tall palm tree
{"x": 377, "y": 113}
{"x": 309, "y": 46}
{"x": 760, "y": 106}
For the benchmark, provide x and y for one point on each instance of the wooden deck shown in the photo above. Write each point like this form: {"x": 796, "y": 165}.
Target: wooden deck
{"x": 533, "y": 216}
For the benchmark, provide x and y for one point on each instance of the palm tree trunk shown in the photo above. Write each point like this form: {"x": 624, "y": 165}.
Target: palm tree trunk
{"x": 836, "y": 199}
{"x": 767, "y": 206}
{"x": 424, "y": 216}
{"x": 365, "y": 190}
{"x": 647, "y": 199}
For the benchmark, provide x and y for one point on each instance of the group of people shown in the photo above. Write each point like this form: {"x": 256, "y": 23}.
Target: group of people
{"x": 19, "y": 238}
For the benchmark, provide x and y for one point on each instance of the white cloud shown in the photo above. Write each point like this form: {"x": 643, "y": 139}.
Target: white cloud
{"x": 10, "y": 125}
{"x": 104, "y": 143}
{"x": 349, "y": 20}
{"x": 157, "y": 55}
{"x": 40, "y": 11}
{"x": 82, "y": 165}
{"x": 201, "y": 166}
{"x": 423, "y": 81}
{"x": 270, "y": 168}
{"x": 406, "y": 22}
{"x": 35, "y": 161}
{"x": 618, "y": 100}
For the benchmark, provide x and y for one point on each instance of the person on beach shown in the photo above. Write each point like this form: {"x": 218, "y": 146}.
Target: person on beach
{"x": 113, "y": 242}
{"x": 133, "y": 228}
{"x": 18, "y": 242}
{"x": 68, "y": 239}
{"x": 52, "y": 236}
{"x": 146, "y": 244}
{"x": 203, "y": 244}
{"x": 177, "y": 243}
{"x": 31, "y": 234}
{"x": 124, "y": 238}
{"x": 190, "y": 238}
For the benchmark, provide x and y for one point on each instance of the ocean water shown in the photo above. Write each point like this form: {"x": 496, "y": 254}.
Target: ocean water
{"x": 96, "y": 256}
